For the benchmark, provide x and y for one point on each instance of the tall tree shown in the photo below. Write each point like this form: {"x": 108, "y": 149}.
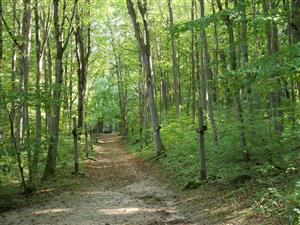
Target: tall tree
{"x": 61, "y": 43}
{"x": 25, "y": 69}
{"x": 83, "y": 51}
{"x": 233, "y": 64}
{"x": 144, "y": 46}
{"x": 206, "y": 77}
{"x": 175, "y": 66}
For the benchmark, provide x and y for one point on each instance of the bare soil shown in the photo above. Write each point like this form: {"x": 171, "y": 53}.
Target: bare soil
{"x": 120, "y": 188}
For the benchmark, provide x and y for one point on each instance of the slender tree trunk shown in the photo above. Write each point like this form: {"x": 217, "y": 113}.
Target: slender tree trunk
{"x": 75, "y": 148}
{"x": 175, "y": 66}
{"x": 83, "y": 45}
{"x": 207, "y": 77}
{"x": 1, "y": 35}
{"x": 25, "y": 64}
{"x": 144, "y": 47}
{"x": 295, "y": 27}
{"x": 273, "y": 47}
{"x": 233, "y": 64}
{"x": 202, "y": 129}
{"x": 193, "y": 66}
{"x": 14, "y": 74}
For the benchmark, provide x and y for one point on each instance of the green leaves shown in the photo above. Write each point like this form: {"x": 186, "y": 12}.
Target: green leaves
{"x": 196, "y": 24}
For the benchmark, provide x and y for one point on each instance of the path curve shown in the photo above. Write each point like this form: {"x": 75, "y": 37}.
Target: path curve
{"x": 119, "y": 191}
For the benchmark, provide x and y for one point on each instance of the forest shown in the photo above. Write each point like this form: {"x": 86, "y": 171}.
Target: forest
{"x": 138, "y": 101}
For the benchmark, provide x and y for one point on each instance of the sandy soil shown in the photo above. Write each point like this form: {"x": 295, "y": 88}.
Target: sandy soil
{"x": 120, "y": 190}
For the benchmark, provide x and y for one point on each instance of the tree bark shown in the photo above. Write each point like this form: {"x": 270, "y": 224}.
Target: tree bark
{"x": 207, "y": 74}
{"x": 57, "y": 92}
{"x": 144, "y": 47}
{"x": 174, "y": 61}
{"x": 38, "y": 114}
{"x": 75, "y": 147}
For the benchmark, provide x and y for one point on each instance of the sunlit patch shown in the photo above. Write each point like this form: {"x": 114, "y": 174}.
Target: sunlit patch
{"x": 49, "y": 211}
{"x": 96, "y": 193}
{"x": 125, "y": 211}
{"x": 46, "y": 190}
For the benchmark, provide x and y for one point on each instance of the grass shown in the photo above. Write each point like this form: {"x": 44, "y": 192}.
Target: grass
{"x": 11, "y": 193}
{"x": 275, "y": 165}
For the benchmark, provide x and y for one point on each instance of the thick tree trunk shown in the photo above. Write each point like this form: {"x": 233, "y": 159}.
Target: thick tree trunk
{"x": 38, "y": 115}
{"x": 57, "y": 92}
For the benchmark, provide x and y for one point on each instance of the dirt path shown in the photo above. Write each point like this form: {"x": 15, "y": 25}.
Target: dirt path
{"x": 119, "y": 191}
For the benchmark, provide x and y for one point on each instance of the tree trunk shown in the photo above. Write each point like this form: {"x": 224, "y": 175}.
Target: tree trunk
{"x": 207, "y": 77}
{"x": 1, "y": 35}
{"x": 57, "y": 92}
{"x": 193, "y": 66}
{"x": 146, "y": 56}
{"x": 25, "y": 64}
{"x": 83, "y": 50}
{"x": 273, "y": 47}
{"x": 75, "y": 148}
{"x": 175, "y": 66}
{"x": 233, "y": 64}
{"x": 38, "y": 115}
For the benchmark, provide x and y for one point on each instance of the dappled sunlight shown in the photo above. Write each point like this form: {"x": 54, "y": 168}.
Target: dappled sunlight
{"x": 121, "y": 193}
{"x": 126, "y": 211}
{"x": 50, "y": 211}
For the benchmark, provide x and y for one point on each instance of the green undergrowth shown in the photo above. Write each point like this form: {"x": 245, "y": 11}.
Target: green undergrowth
{"x": 270, "y": 179}
{"x": 12, "y": 194}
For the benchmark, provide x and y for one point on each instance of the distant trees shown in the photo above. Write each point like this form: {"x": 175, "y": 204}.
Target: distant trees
{"x": 32, "y": 96}
{"x": 234, "y": 63}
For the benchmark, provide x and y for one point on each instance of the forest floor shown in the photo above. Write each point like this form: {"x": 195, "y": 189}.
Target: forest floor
{"x": 120, "y": 188}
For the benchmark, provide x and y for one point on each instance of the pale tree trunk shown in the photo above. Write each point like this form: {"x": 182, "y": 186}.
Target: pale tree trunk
{"x": 38, "y": 115}
{"x": 207, "y": 77}
{"x": 193, "y": 64}
{"x": 141, "y": 103}
{"x": 122, "y": 90}
{"x": 14, "y": 72}
{"x": 144, "y": 47}
{"x": 175, "y": 66}
{"x": 25, "y": 64}
{"x": 48, "y": 84}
